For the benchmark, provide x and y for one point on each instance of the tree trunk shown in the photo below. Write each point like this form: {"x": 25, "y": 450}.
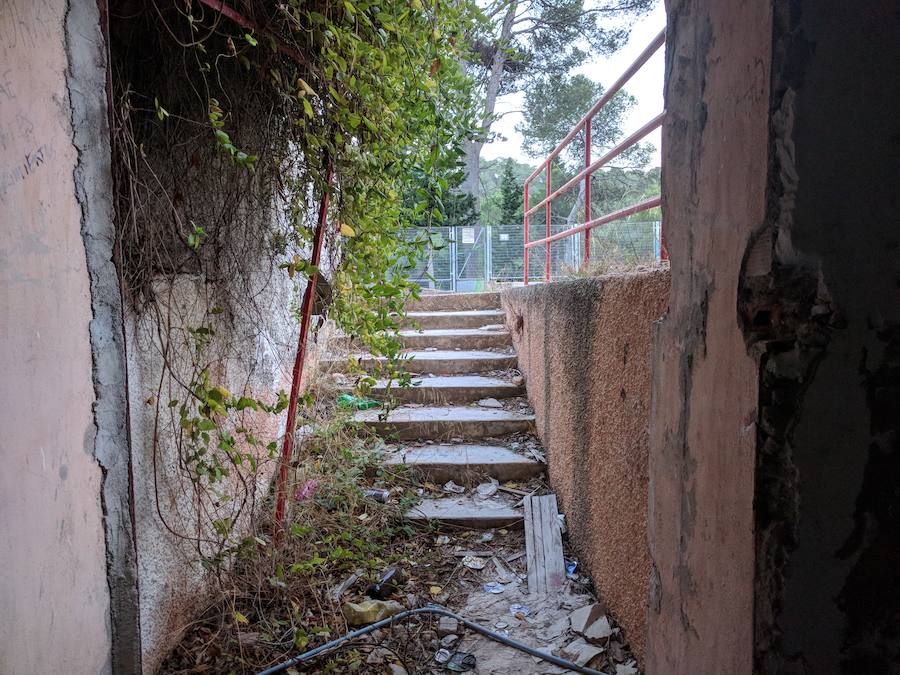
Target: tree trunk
{"x": 472, "y": 184}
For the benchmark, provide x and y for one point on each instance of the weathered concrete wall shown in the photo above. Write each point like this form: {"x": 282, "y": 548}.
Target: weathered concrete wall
{"x": 53, "y": 588}
{"x": 704, "y": 410}
{"x": 584, "y": 348}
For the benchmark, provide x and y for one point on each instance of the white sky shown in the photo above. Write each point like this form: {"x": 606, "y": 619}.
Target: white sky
{"x": 646, "y": 86}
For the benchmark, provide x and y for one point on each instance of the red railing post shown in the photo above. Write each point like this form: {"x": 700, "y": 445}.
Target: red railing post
{"x": 587, "y": 190}
{"x": 549, "y": 207}
{"x": 306, "y": 307}
{"x": 525, "y": 234}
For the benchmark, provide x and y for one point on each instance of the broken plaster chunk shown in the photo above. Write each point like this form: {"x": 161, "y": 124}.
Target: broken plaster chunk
{"x": 447, "y": 625}
{"x": 580, "y": 652}
{"x": 626, "y": 669}
{"x": 599, "y": 630}
{"x": 489, "y": 403}
{"x": 582, "y": 618}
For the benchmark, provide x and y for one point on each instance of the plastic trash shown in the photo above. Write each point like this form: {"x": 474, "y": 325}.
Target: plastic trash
{"x": 386, "y": 585}
{"x": 378, "y": 495}
{"x": 519, "y": 611}
{"x": 571, "y": 566}
{"x": 494, "y": 587}
{"x": 453, "y": 488}
{"x": 370, "y": 611}
{"x": 442, "y": 656}
{"x": 474, "y": 562}
{"x": 461, "y": 662}
{"x": 486, "y": 490}
{"x": 351, "y": 401}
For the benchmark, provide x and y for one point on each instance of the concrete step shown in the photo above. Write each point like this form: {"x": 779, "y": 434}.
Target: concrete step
{"x": 445, "y": 422}
{"x": 451, "y": 389}
{"x": 443, "y": 338}
{"x": 466, "y": 464}
{"x": 454, "y": 302}
{"x": 474, "y": 318}
{"x": 467, "y": 512}
{"x": 456, "y": 338}
{"x": 438, "y": 362}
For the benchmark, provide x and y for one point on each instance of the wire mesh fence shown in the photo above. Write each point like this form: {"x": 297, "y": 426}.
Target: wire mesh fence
{"x": 468, "y": 258}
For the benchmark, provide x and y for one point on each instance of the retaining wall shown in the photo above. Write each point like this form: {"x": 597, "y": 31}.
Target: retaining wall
{"x": 584, "y": 349}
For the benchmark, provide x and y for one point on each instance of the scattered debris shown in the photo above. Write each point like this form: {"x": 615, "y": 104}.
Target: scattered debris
{"x": 386, "y": 585}
{"x": 370, "y": 611}
{"x": 518, "y": 380}
{"x": 494, "y": 587}
{"x": 461, "y": 662}
{"x": 378, "y": 495}
{"x": 486, "y": 490}
{"x": 571, "y": 566}
{"x": 474, "y": 563}
{"x": 449, "y": 640}
{"x": 447, "y": 625}
{"x": 452, "y": 488}
{"x": 489, "y": 403}
{"x": 442, "y": 656}
{"x": 351, "y": 401}
{"x": 582, "y": 618}
{"x": 486, "y": 537}
{"x": 336, "y": 592}
{"x": 599, "y": 630}
{"x": 519, "y": 611}
{"x": 442, "y": 540}
{"x": 626, "y": 669}
{"x": 307, "y": 490}
{"x": 581, "y": 652}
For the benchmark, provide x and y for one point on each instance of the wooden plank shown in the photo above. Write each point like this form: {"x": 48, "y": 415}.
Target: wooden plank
{"x": 543, "y": 546}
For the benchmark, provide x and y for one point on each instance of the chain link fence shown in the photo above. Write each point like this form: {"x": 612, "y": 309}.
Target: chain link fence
{"x": 469, "y": 258}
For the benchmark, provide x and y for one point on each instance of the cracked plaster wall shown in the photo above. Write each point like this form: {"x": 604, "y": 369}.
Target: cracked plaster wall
{"x": 54, "y": 590}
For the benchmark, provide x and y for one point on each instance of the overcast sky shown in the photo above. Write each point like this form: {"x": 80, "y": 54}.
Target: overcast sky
{"x": 646, "y": 86}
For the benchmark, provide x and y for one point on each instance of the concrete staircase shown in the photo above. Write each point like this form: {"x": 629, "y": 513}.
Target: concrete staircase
{"x": 460, "y": 353}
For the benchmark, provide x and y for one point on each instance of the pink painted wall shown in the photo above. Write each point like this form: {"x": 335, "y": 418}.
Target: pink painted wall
{"x": 704, "y": 398}
{"x": 53, "y": 588}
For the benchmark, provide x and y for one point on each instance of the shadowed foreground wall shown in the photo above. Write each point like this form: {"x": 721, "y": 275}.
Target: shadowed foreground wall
{"x": 584, "y": 348}
{"x": 775, "y": 425}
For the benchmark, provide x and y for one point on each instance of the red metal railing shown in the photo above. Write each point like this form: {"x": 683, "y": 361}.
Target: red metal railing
{"x": 589, "y": 169}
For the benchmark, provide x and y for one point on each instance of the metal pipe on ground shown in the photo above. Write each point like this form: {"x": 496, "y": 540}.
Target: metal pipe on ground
{"x": 441, "y": 611}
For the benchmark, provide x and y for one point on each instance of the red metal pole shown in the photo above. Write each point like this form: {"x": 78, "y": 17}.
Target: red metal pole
{"x": 309, "y": 295}
{"x": 549, "y": 210}
{"x": 587, "y": 189}
{"x": 525, "y": 235}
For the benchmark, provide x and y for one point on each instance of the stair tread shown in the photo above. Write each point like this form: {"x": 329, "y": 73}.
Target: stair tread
{"x": 456, "y": 381}
{"x": 455, "y": 332}
{"x": 466, "y": 511}
{"x": 457, "y": 312}
{"x": 448, "y": 413}
{"x": 462, "y": 454}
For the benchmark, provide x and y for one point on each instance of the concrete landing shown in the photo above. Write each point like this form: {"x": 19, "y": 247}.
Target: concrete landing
{"x": 454, "y": 302}
{"x": 456, "y": 338}
{"x": 443, "y": 422}
{"x": 474, "y": 318}
{"x": 451, "y": 389}
{"x": 466, "y": 512}
{"x": 467, "y": 464}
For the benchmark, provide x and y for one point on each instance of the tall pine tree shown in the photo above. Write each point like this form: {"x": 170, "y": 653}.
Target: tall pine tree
{"x": 510, "y": 196}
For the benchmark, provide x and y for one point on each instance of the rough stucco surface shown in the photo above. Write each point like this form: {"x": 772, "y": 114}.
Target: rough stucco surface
{"x": 252, "y": 359}
{"x": 584, "y": 348}
{"x": 53, "y": 588}
{"x": 703, "y": 430}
